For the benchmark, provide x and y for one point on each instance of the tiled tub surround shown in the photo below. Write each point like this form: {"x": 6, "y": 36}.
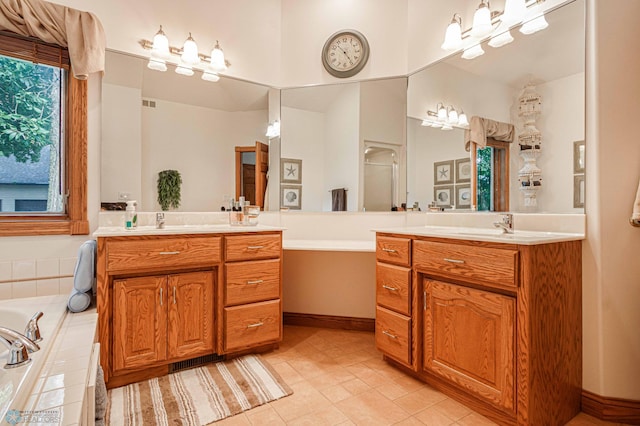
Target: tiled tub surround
{"x": 55, "y": 381}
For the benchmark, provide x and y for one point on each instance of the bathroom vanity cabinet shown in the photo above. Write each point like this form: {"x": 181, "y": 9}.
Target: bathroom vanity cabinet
{"x": 163, "y": 299}
{"x": 494, "y": 325}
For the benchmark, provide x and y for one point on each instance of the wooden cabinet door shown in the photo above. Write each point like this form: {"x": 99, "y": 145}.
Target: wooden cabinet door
{"x": 469, "y": 339}
{"x": 139, "y": 322}
{"x": 190, "y": 310}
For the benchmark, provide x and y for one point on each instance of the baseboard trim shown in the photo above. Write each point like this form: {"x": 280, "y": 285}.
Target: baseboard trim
{"x": 611, "y": 409}
{"x": 329, "y": 321}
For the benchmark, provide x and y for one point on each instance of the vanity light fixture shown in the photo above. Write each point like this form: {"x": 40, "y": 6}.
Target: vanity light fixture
{"x": 482, "y": 21}
{"x": 445, "y": 118}
{"x": 190, "y": 59}
{"x": 493, "y": 24}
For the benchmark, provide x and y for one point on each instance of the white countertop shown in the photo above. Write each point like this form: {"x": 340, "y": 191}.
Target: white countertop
{"x": 119, "y": 231}
{"x": 485, "y": 234}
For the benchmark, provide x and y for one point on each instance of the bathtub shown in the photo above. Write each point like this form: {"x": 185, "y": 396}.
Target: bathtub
{"x": 16, "y": 384}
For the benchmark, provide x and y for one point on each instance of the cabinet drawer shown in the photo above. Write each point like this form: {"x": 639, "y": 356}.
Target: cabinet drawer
{"x": 251, "y": 325}
{"x": 393, "y": 287}
{"x": 134, "y": 255}
{"x": 250, "y": 247}
{"x": 393, "y": 334}
{"x": 248, "y": 282}
{"x": 394, "y": 250}
{"x": 485, "y": 265}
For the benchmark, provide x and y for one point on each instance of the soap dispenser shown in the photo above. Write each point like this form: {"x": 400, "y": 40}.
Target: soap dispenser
{"x": 130, "y": 215}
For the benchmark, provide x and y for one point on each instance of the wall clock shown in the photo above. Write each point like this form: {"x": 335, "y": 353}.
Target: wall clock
{"x": 345, "y": 53}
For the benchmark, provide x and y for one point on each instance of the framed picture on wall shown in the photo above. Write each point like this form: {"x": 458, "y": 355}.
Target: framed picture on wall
{"x": 463, "y": 196}
{"x": 291, "y": 196}
{"x": 443, "y": 195}
{"x": 578, "y": 191}
{"x": 463, "y": 170}
{"x": 443, "y": 172}
{"x": 290, "y": 170}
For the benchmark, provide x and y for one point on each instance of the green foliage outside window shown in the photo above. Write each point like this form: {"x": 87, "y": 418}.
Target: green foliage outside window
{"x": 484, "y": 184}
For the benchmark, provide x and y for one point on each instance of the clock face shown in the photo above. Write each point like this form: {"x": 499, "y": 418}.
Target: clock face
{"x": 345, "y": 53}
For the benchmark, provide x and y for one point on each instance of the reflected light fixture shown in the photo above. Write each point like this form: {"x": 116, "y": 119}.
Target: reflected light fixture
{"x": 514, "y": 12}
{"x": 162, "y": 52}
{"x": 453, "y": 35}
{"x": 503, "y": 36}
{"x": 482, "y": 21}
{"x": 473, "y": 52}
{"x": 534, "y": 25}
{"x": 462, "y": 119}
{"x": 445, "y": 118}
{"x": 273, "y": 130}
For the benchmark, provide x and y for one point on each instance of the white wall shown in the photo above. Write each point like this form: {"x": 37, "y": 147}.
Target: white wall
{"x": 305, "y": 134}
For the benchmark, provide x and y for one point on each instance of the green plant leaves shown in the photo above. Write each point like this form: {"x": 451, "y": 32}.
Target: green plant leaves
{"x": 169, "y": 182}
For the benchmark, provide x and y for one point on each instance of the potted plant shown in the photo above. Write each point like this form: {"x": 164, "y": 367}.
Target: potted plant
{"x": 169, "y": 182}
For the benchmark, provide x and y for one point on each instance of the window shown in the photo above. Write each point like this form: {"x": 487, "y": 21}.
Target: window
{"x": 491, "y": 169}
{"x": 43, "y": 128}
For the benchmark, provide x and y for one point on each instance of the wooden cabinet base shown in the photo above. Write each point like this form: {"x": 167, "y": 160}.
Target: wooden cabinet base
{"x": 137, "y": 376}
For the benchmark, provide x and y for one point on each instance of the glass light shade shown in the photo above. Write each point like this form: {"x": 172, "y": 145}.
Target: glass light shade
{"x": 436, "y": 124}
{"x": 157, "y": 64}
{"x": 453, "y": 116}
{"x": 473, "y": 52}
{"x": 447, "y": 127}
{"x": 425, "y": 123}
{"x": 209, "y": 76}
{"x": 481, "y": 21}
{"x": 514, "y": 12}
{"x": 462, "y": 119}
{"x": 160, "y": 48}
{"x": 183, "y": 69}
{"x": 269, "y": 133}
{"x": 453, "y": 36}
{"x": 501, "y": 39}
{"x": 276, "y": 127}
{"x": 442, "y": 113}
{"x": 535, "y": 25}
{"x": 190, "y": 52}
{"x": 218, "y": 63}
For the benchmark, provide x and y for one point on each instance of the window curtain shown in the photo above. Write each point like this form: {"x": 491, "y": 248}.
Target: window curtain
{"x": 80, "y": 32}
{"x": 481, "y": 128}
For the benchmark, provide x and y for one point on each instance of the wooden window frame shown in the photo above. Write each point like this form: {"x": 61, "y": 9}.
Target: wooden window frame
{"x": 501, "y": 163}
{"x": 75, "y": 220}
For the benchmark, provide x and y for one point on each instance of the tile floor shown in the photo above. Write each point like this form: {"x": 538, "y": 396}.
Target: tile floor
{"x": 338, "y": 378}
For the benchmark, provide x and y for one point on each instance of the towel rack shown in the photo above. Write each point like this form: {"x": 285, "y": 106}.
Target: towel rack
{"x": 346, "y": 189}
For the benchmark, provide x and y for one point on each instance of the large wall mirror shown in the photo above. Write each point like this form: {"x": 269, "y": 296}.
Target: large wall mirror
{"x": 489, "y": 86}
{"x": 350, "y": 142}
{"x": 153, "y": 121}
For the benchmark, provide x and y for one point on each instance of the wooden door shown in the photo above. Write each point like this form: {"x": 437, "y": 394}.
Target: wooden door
{"x": 249, "y": 182}
{"x": 261, "y": 168}
{"x": 139, "y": 322}
{"x": 190, "y": 310}
{"x": 469, "y": 339}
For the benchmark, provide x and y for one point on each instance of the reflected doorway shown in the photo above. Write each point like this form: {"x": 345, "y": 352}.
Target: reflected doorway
{"x": 380, "y": 177}
{"x": 252, "y": 165}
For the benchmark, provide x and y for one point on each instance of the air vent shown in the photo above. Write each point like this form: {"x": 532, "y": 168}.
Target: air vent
{"x": 194, "y": 362}
{"x": 148, "y": 103}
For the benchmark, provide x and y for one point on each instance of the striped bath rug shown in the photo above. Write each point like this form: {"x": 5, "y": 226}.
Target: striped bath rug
{"x": 198, "y": 396}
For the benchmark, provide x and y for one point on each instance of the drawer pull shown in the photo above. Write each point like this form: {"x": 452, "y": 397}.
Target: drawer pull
{"x": 386, "y": 333}
{"x": 389, "y": 288}
{"x": 254, "y": 247}
{"x": 165, "y": 253}
{"x": 453, "y": 260}
{"x": 258, "y": 324}
{"x": 161, "y": 296}
{"x": 174, "y": 294}
{"x": 389, "y": 250}
{"x": 255, "y": 282}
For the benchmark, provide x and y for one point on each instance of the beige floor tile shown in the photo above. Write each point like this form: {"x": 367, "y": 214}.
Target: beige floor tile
{"x": 329, "y": 416}
{"x": 265, "y": 417}
{"x": 411, "y": 421}
{"x": 432, "y": 417}
{"x": 356, "y": 386}
{"x": 419, "y": 400}
{"x": 305, "y": 400}
{"x": 288, "y": 373}
{"x": 331, "y": 377}
{"x": 475, "y": 419}
{"x": 372, "y": 408}
{"x": 336, "y": 393}
{"x": 452, "y": 409}
{"x": 237, "y": 420}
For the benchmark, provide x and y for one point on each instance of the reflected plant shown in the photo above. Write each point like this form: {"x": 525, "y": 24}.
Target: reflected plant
{"x": 169, "y": 182}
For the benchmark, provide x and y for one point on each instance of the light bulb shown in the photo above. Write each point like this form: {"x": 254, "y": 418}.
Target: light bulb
{"x": 453, "y": 35}
{"x": 535, "y": 25}
{"x": 218, "y": 63}
{"x": 453, "y": 116}
{"x": 184, "y": 69}
{"x": 473, "y": 52}
{"x": 501, "y": 39}
{"x": 442, "y": 113}
{"x": 481, "y": 21}
{"x": 425, "y": 123}
{"x": 190, "y": 52}
{"x": 447, "y": 127}
{"x": 462, "y": 119}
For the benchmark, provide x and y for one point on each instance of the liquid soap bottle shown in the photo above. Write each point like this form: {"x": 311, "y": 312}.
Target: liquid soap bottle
{"x": 130, "y": 215}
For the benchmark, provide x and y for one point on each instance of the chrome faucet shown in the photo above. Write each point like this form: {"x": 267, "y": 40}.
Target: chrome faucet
{"x": 13, "y": 336}
{"x": 506, "y": 223}
{"x": 17, "y": 355}
{"x": 32, "y": 330}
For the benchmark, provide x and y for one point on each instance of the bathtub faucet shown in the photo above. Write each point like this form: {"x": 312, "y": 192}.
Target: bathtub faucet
{"x": 13, "y": 336}
{"x": 32, "y": 331}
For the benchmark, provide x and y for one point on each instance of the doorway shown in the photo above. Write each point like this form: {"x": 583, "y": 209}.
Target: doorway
{"x": 252, "y": 165}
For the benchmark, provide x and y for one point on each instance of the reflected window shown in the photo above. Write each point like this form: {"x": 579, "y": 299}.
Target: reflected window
{"x": 492, "y": 176}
